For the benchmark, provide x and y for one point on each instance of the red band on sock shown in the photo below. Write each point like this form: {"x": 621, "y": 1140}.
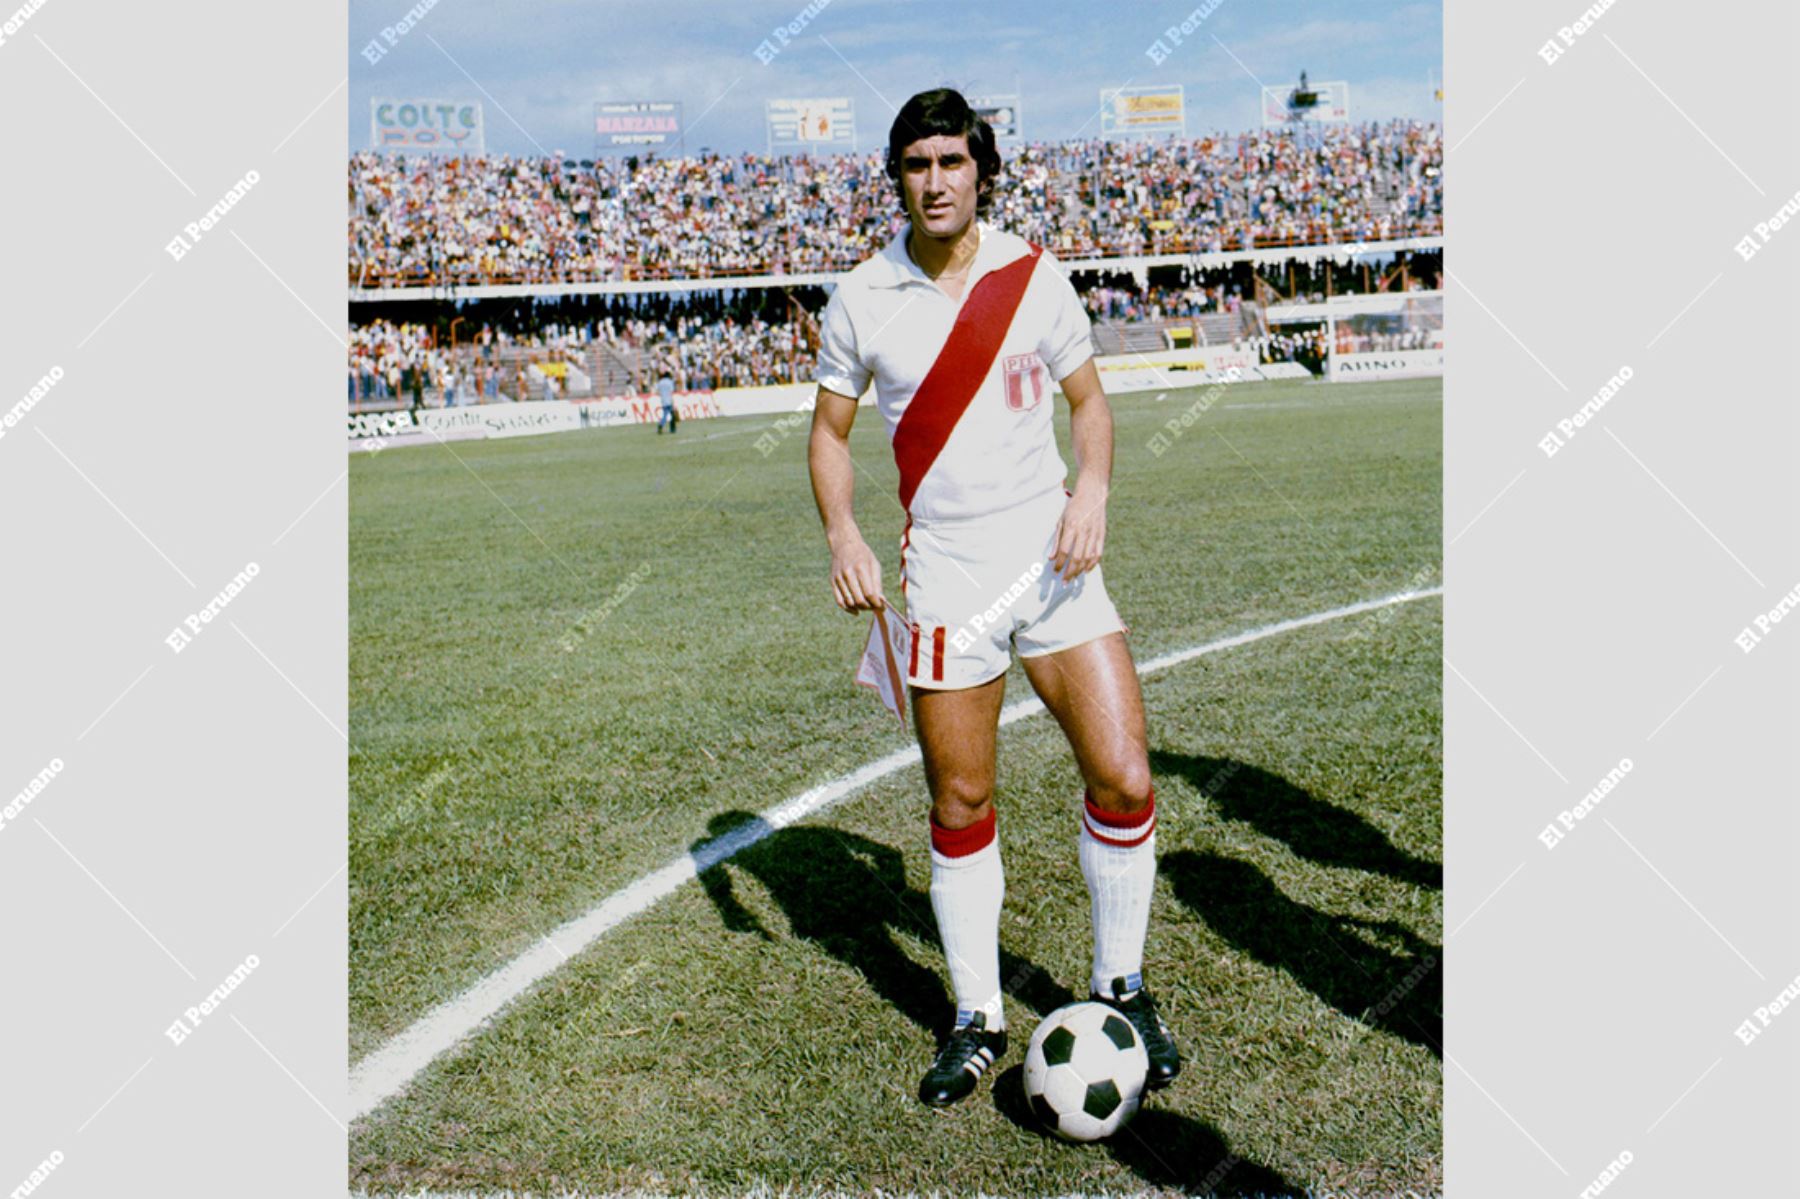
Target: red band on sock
{"x": 1120, "y": 819}
{"x": 961, "y": 842}
{"x": 1121, "y": 830}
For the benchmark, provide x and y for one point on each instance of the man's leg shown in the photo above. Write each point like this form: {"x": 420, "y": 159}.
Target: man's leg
{"x": 958, "y": 731}
{"x": 957, "y": 734}
{"x": 1092, "y": 690}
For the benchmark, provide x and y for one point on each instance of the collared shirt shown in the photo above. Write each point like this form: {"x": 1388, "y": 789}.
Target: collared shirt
{"x": 886, "y": 323}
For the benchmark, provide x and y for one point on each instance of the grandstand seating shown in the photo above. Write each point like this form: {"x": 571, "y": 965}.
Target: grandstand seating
{"x": 496, "y": 218}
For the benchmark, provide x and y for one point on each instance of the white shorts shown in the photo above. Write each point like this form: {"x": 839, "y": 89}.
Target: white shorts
{"x": 976, "y": 589}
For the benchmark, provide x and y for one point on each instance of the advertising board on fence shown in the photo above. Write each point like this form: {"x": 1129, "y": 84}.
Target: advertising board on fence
{"x": 645, "y": 409}
{"x": 375, "y": 430}
{"x": 692, "y": 405}
{"x": 477, "y": 420}
{"x": 1384, "y": 364}
{"x": 1200, "y": 366}
{"x": 1196, "y": 358}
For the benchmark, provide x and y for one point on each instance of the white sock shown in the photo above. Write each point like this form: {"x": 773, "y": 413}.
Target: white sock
{"x": 1118, "y": 859}
{"x": 967, "y": 886}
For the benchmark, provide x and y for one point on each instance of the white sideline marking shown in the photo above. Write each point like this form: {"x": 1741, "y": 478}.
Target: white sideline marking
{"x": 386, "y": 1072}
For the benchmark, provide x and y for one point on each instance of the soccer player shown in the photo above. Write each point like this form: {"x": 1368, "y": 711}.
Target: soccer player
{"x": 962, "y": 327}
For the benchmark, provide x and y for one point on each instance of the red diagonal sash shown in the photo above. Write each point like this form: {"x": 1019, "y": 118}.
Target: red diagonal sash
{"x": 962, "y": 364}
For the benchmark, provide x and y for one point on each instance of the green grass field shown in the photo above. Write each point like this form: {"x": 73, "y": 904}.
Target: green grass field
{"x": 574, "y": 657}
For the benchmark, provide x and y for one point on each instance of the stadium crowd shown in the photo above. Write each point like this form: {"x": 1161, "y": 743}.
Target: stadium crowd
{"x": 702, "y": 355}
{"x": 393, "y": 361}
{"x": 1124, "y": 301}
{"x": 499, "y": 218}
{"x": 705, "y": 340}
{"x": 1301, "y": 281}
{"x": 1305, "y": 346}
{"x": 1352, "y": 341}
{"x": 737, "y": 337}
{"x": 403, "y": 362}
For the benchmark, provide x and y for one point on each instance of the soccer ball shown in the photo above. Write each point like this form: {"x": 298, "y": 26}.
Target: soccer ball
{"x": 1084, "y": 1071}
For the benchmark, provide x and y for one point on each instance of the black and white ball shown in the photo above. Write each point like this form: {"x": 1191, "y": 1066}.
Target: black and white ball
{"x": 1084, "y": 1071}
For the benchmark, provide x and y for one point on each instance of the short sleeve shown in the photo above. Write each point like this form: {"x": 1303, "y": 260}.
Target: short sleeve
{"x": 841, "y": 368}
{"x": 1070, "y": 339}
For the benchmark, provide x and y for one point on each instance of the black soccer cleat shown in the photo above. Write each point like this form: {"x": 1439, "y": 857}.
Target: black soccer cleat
{"x": 1159, "y": 1042}
{"x": 965, "y": 1057}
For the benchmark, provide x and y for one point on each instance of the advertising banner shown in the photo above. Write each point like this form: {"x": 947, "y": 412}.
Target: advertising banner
{"x": 1002, "y": 115}
{"x": 1145, "y": 110}
{"x": 1388, "y": 364}
{"x": 480, "y": 420}
{"x": 426, "y": 126}
{"x": 636, "y": 124}
{"x": 812, "y": 124}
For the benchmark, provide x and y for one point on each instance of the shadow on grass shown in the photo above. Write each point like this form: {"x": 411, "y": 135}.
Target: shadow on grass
{"x": 848, "y": 895}
{"x": 1161, "y": 1147}
{"x": 1315, "y": 830}
{"x": 1400, "y": 993}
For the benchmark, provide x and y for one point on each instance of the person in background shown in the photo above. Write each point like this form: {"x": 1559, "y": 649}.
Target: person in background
{"x": 665, "y": 387}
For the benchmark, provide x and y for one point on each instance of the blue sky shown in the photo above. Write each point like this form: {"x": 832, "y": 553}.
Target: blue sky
{"x": 543, "y": 63}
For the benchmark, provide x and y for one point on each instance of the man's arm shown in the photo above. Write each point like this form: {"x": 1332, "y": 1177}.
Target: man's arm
{"x": 855, "y": 571}
{"x": 1081, "y": 534}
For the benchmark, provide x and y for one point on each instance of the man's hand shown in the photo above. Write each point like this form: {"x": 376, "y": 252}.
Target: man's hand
{"x": 1080, "y": 534}
{"x": 856, "y": 576}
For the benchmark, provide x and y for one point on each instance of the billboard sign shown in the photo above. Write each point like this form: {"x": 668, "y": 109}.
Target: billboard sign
{"x": 636, "y": 124}
{"x": 1002, "y": 115}
{"x": 812, "y": 124}
{"x": 1150, "y": 110}
{"x": 426, "y": 126}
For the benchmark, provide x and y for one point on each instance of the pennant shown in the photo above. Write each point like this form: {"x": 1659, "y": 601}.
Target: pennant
{"x": 890, "y": 640}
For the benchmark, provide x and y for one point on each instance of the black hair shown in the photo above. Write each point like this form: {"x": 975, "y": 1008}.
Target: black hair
{"x": 943, "y": 112}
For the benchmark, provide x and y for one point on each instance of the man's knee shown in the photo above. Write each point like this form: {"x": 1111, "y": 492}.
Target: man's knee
{"x": 960, "y": 800}
{"x": 1122, "y": 787}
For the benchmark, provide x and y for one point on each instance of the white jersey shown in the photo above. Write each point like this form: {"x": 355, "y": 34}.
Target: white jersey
{"x": 888, "y": 322}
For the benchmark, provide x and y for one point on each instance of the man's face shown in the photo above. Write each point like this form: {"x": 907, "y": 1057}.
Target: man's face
{"x": 939, "y": 175}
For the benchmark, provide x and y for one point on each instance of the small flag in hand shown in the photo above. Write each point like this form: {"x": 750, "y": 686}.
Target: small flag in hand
{"x": 889, "y": 642}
